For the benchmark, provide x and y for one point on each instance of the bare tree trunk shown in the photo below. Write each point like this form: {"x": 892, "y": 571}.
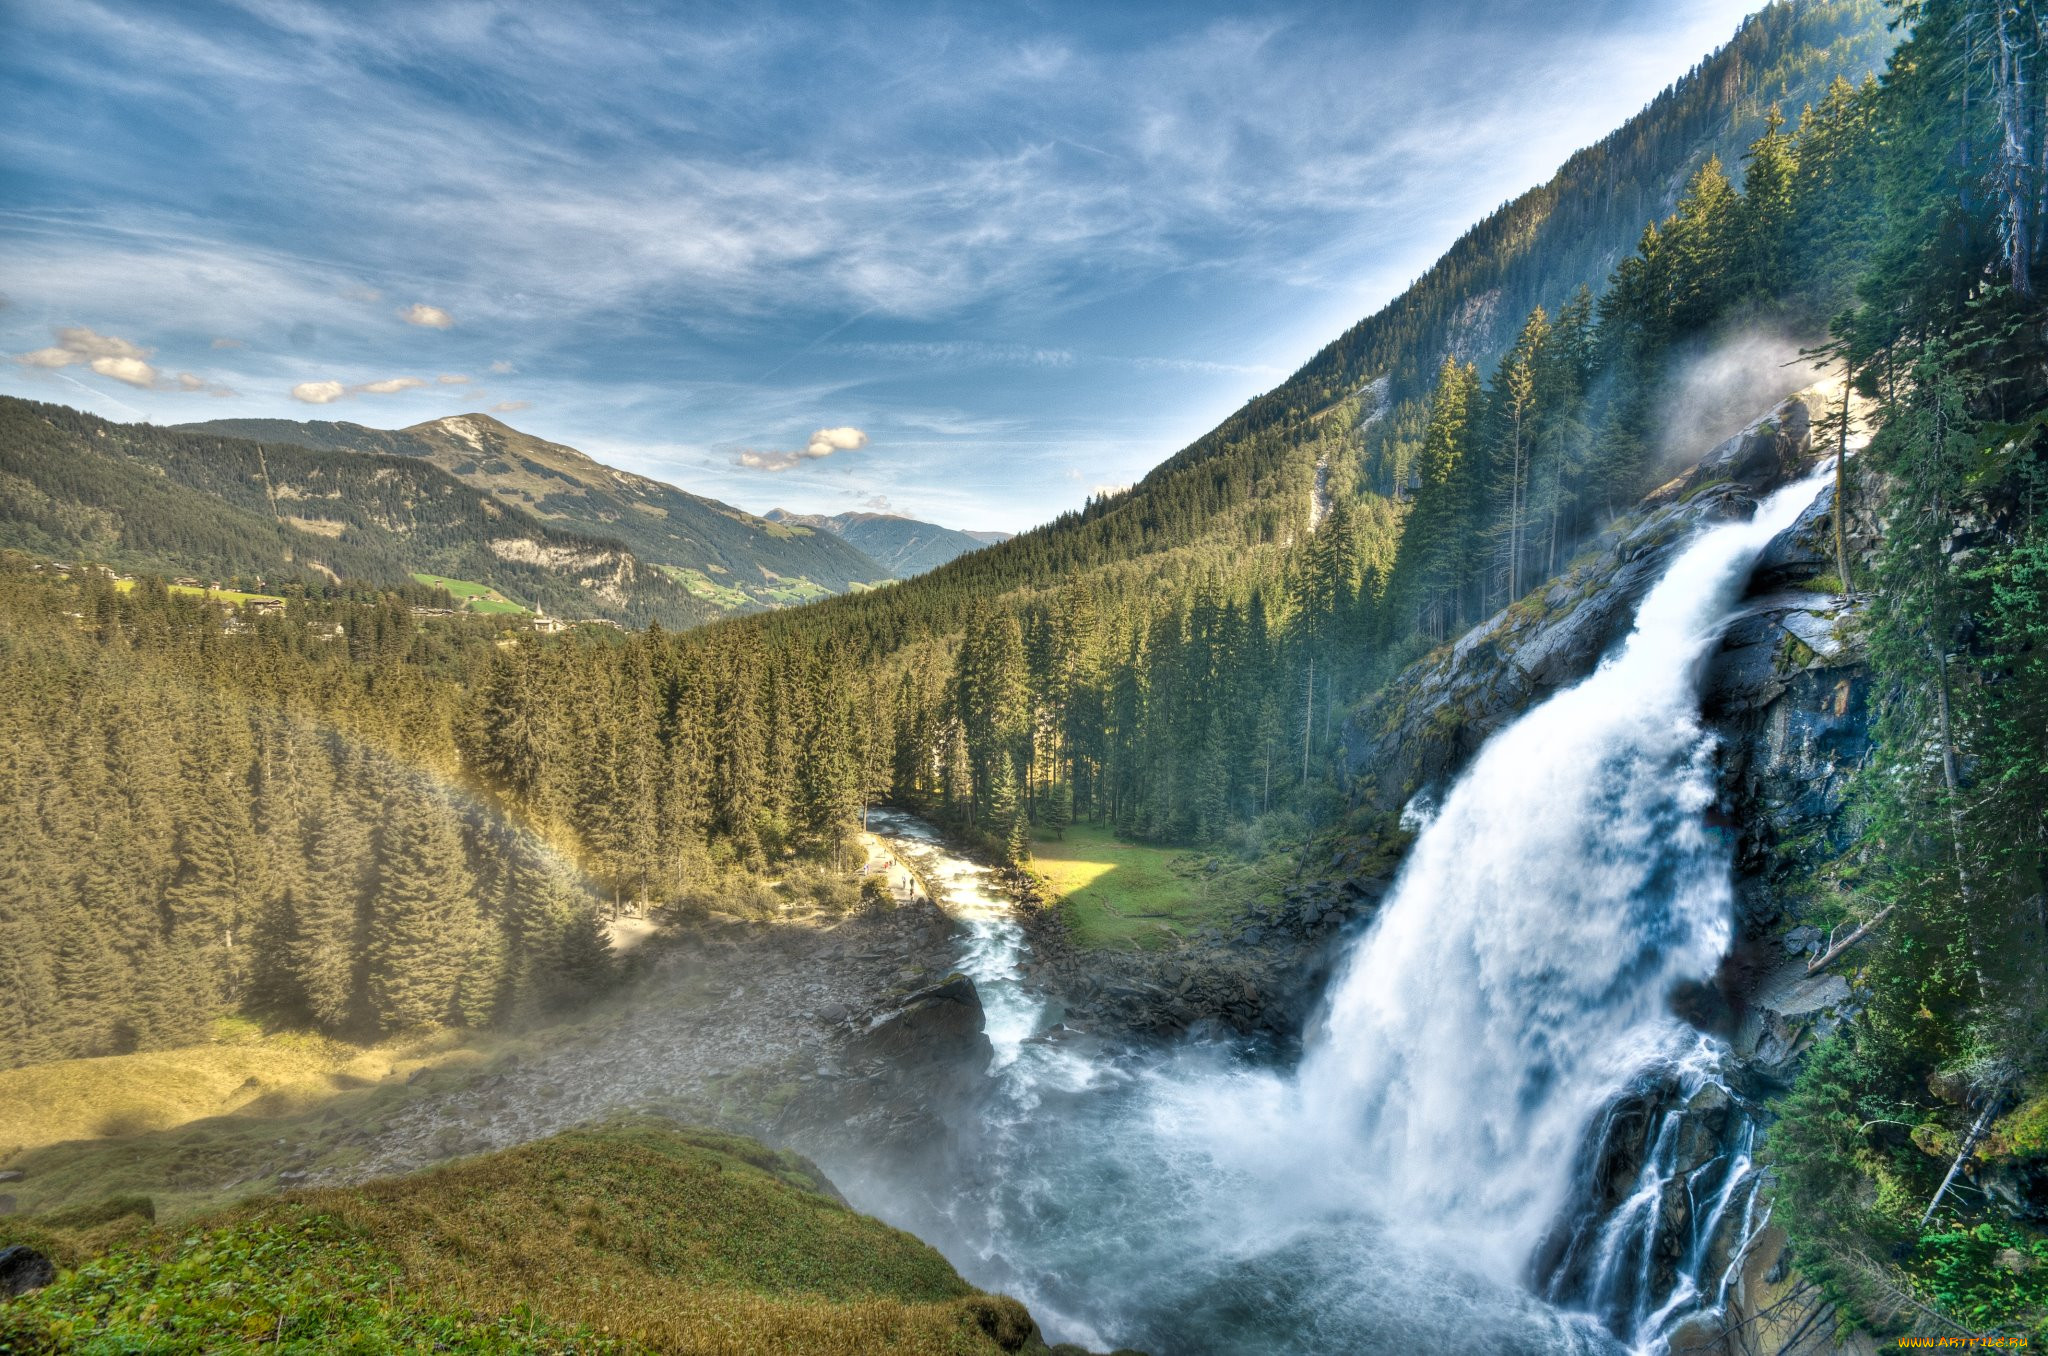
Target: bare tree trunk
{"x": 2014, "y": 163}
{"x": 1833, "y": 953}
{"x": 1970, "y": 1142}
{"x": 1308, "y": 718}
{"x": 1842, "y": 490}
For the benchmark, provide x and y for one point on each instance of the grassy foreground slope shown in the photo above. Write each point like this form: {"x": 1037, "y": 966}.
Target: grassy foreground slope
{"x": 633, "y": 1236}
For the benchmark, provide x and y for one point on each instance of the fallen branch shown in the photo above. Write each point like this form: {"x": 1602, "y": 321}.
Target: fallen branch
{"x": 1969, "y": 1147}
{"x": 1828, "y": 957}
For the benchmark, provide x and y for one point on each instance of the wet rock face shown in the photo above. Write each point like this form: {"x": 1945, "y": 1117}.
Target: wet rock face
{"x": 1788, "y": 692}
{"x": 1648, "y": 1201}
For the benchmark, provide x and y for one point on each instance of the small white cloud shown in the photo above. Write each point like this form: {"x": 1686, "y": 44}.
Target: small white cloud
{"x": 508, "y": 406}
{"x": 106, "y": 354}
{"x": 319, "y": 392}
{"x": 1105, "y": 491}
{"x": 826, "y": 441}
{"x": 229, "y": 343}
{"x": 451, "y": 379}
{"x": 823, "y": 443}
{"x": 503, "y": 368}
{"x": 133, "y": 371}
{"x": 390, "y": 385}
{"x": 878, "y": 502}
{"x": 431, "y": 317}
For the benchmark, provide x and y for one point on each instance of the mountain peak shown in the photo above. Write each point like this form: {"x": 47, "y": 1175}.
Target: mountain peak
{"x": 466, "y": 426}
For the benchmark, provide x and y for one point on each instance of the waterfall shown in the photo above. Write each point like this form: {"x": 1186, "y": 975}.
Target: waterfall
{"x": 1519, "y": 975}
{"x": 1507, "y": 1009}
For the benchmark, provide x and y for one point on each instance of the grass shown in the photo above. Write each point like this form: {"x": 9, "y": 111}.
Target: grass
{"x": 633, "y": 1236}
{"x": 1118, "y": 894}
{"x": 791, "y": 592}
{"x": 703, "y": 586}
{"x": 193, "y": 1126}
{"x": 233, "y": 596}
{"x": 471, "y": 596}
{"x": 122, "y": 1094}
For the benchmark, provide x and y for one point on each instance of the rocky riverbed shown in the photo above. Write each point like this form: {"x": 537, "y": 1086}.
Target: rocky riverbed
{"x": 771, "y": 1030}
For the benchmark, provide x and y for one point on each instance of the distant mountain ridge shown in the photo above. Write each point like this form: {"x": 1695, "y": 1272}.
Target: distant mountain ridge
{"x": 904, "y": 546}
{"x": 74, "y": 486}
{"x": 730, "y": 559}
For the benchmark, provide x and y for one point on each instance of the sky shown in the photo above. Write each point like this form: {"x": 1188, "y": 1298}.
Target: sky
{"x": 970, "y": 263}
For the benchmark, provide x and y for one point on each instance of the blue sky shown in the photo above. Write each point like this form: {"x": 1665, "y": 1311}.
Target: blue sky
{"x": 967, "y": 262}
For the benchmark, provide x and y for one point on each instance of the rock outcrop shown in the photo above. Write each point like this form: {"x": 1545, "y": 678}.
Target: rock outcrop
{"x": 23, "y": 1269}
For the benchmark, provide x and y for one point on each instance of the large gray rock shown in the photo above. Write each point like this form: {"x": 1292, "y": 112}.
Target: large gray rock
{"x": 935, "y": 1032}
{"x": 23, "y": 1269}
{"x": 1767, "y": 453}
{"x": 1788, "y": 1013}
{"x": 1802, "y": 551}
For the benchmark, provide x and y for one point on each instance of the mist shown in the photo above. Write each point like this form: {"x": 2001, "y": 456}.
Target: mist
{"x": 1712, "y": 393}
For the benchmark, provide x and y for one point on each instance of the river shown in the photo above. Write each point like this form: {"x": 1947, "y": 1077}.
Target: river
{"x": 1388, "y": 1192}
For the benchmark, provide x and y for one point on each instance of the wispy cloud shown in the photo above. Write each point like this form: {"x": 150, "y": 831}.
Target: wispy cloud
{"x": 959, "y": 353}
{"x": 583, "y": 202}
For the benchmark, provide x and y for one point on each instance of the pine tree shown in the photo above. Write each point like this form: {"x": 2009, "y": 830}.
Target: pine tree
{"x": 422, "y": 917}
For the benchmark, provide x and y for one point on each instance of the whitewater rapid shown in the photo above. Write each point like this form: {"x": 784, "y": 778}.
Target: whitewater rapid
{"x": 1387, "y": 1194}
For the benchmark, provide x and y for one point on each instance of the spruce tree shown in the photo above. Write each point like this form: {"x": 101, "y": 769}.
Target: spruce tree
{"x": 422, "y": 923}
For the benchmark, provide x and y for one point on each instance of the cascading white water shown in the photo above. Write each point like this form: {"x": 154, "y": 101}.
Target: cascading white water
{"x": 1388, "y": 1194}
{"x": 1520, "y": 972}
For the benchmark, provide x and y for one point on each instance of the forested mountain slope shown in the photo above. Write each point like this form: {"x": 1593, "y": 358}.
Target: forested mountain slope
{"x": 903, "y": 546}
{"x": 1175, "y": 658}
{"x": 729, "y": 558}
{"x": 135, "y": 496}
{"x": 1249, "y": 481}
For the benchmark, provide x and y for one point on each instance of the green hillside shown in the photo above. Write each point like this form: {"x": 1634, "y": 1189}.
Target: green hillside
{"x": 765, "y": 564}
{"x": 636, "y": 1236}
{"x": 140, "y": 497}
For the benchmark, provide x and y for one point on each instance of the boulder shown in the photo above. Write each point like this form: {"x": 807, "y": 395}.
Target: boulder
{"x": 1789, "y": 1012}
{"x": 23, "y": 1269}
{"x": 941, "y": 1025}
{"x": 1765, "y": 454}
{"x": 1802, "y": 551}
